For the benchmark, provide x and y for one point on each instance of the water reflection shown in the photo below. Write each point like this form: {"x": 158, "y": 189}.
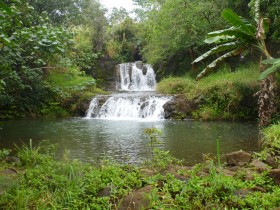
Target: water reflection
{"x": 124, "y": 140}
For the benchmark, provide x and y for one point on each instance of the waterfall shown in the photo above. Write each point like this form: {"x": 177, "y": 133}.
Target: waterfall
{"x": 133, "y": 77}
{"x": 137, "y": 100}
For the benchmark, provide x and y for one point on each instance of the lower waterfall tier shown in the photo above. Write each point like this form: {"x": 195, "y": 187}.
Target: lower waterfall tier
{"x": 128, "y": 108}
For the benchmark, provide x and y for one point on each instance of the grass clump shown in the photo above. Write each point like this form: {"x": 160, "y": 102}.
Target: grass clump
{"x": 222, "y": 95}
{"x": 271, "y": 140}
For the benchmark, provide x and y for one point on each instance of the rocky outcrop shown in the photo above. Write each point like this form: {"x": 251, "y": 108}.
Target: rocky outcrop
{"x": 137, "y": 200}
{"x": 239, "y": 158}
{"x": 178, "y": 108}
{"x": 275, "y": 175}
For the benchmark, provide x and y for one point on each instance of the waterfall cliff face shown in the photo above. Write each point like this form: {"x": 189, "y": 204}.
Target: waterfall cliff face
{"x": 137, "y": 100}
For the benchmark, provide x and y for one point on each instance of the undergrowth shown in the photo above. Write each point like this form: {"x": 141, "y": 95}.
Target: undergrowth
{"x": 71, "y": 88}
{"x": 222, "y": 95}
{"x": 43, "y": 182}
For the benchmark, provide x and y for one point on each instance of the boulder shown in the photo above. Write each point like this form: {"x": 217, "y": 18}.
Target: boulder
{"x": 145, "y": 70}
{"x": 178, "y": 108}
{"x": 238, "y": 158}
{"x": 259, "y": 165}
{"x": 137, "y": 200}
{"x": 107, "y": 191}
{"x": 9, "y": 171}
{"x": 275, "y": 175}
{"x": 139, "y": 64}
{"x": 242, "y": 193}
{"x": 271, "y": 161}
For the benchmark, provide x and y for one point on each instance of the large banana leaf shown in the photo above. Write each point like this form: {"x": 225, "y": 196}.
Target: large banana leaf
{"x": 274, "y": 68}
{"x": 220, "y": 48}
{"x": 229, "y": 34}
{"x": 219, "y": 39}
{"x": 212, "y": 65}
{"x": 238, "y": 22}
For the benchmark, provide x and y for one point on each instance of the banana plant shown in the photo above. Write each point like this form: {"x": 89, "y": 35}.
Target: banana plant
{"x": 241, "y": 36}
{"x": 232, "y": 41}
{"x": 274, "y": 67}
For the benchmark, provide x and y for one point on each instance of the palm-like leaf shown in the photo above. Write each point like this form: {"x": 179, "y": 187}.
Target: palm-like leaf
{"x": 238, "y": 22}
{"x": 274, "y": 68}
{"x": 220, "y": 48}
{"x": 231, "y": 33}
{"x": 233, "y": 41}
{"x": 212, "y": 65}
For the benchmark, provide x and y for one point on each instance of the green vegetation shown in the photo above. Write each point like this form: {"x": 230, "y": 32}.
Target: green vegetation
{"x": 38, "y": 180}
{"x": 236, "y": 40}
{"x": 223, "y": 95}
{"x": 36, "y": 46}
{"x": 270, "y": 140}
{"x": 41, "y": 40}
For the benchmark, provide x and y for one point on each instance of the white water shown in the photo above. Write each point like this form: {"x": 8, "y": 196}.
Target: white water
{"x": 131, "y": 78}
{"x": 132, "y": 105}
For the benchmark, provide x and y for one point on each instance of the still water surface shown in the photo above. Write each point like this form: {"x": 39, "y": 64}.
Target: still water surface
{"x": 124, "y": 141}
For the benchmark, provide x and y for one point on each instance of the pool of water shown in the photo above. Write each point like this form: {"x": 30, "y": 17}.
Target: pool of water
{"x": 124, "y": 141}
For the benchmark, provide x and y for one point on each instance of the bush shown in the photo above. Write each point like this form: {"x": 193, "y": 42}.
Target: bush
{"x": 271, "y": 139}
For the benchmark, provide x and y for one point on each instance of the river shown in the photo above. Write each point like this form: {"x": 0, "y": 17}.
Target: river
{"x": 125, "y": 141}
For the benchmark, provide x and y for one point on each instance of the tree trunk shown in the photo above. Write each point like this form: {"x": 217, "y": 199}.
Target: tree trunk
{"x": 267, "y": 100}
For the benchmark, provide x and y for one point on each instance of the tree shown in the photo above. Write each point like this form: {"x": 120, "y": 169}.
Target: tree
{"x": 240, "y": 37}
{"x": 173, "y": 33}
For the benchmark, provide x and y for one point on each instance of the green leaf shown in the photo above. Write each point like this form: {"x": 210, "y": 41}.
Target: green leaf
{"x": 5, "y": 7}
{"x": 217, "y": 39}
{"x": 212, "y": 65}
{"x": 232, "y": 33}
{"x": 238, "y": 22}
{"x": 271, "y": 61}
{"x": 269, "y": 71}
{"x": 220, "y": 48}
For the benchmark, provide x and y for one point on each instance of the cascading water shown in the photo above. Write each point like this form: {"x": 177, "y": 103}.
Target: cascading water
{"x": 133, "y": 77}
{"x": 137, "y": 100}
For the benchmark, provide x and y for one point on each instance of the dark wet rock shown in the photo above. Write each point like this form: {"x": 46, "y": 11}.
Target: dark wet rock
{"x": 234, "y": 168}
{"x": 249, "y": 176}
{"x": 145, "y": 70}
{"x": 9, "y": 171}
{"x": 271, "y": 161}
{"x": 238, "y": 158}
{"x": 12, "y": 159}
{"x": 139, "y": 64}
{"x": 259, "y": 165}
{"x": 107, "y": 191}
{"x": 242, "y": 193}
{"x": 258, "y": 189}
{"x": 178, "y": 108}
{"x": 275, "y": 175}
{"x": 181, "y": 178}
{"x": 137, "y": 200}
{"x": 147, "y": 172}
{"x": 228, "y": 172}
{"x": 202, "y": 174}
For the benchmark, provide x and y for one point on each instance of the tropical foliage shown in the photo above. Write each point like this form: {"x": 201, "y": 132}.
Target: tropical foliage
{"x": 241, "y": 36}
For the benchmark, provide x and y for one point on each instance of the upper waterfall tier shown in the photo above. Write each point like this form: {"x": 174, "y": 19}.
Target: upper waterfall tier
{"x": 135, "y": 77}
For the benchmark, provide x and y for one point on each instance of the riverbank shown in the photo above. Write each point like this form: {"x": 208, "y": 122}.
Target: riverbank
{"x": 32, "y": 178}
{"x": 225, "y": 95}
